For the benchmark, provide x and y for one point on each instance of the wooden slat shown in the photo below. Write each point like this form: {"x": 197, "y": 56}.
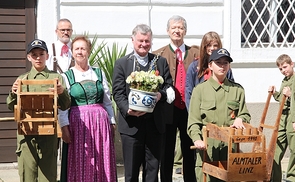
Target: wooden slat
{"x": 11, "y": 72}
{"x": 13, "y": 54}
{"x": 7, "y": 154}
{"x": 38, "y": 82}
{"x": 8, "y": 114}
{"x": 7, "y": 134}
{"x": 20, "y": 19}
{"x": 12, "y": 37}
{"x": 12, "y": 63}
{"x": 3, "y": 97}
{"x": 38, "y": 120}
{"x": 12, "y": 45}
{"x": 7, "y": 81}
{"x": 7, "y": 121}
{"x": 268, "y": 126}
{"x": 5, "y": 89}
{"x": 37, "y": 93}
{"x": 4, "y": 108}
{"x": 8, "y": 28}
{"x": 12, "y": 12}
{"x": 8, "y": 142}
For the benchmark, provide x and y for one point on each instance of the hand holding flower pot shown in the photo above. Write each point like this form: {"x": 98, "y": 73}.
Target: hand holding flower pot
{"x": 143, "y": 90}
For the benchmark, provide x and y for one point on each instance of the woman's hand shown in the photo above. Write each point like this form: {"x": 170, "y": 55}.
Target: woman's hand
{"x": 66, "y": 137}
{"x": 113, "y": 130}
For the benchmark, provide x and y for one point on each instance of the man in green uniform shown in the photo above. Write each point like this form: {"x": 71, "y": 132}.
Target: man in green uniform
{"x": 218, "y": 101}
{"x": 286, "y": 128}
{"x": 37, "y": 154}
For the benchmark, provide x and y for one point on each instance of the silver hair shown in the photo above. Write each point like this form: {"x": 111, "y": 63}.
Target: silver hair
{"x": 143, "y": 29}
{"x": 63, "y": 20}
{"x": 177, "y": 18}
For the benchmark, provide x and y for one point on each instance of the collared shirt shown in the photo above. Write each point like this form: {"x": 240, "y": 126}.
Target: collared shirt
{"x": 182, "y": 48}
{"x": 63, "y": 61}
{"x": 142, "y": 60}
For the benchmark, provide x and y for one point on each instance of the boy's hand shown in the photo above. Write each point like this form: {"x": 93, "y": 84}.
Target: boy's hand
{"x": 272, "y": 89}
{"x": 14, "y": 86}
{"x": 199, "y": 144}
{"x": 238, "y": 123}
{"x": 60, "y": 88}
{"x": 287, "y": 91}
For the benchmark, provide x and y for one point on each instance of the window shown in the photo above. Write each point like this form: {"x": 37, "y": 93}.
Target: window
{"x": 267, "y": 23}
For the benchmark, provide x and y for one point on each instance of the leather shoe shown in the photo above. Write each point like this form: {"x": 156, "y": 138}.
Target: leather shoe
{"x": 178, "y": 171}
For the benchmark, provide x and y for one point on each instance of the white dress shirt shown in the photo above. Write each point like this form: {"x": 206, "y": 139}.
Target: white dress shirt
{"x": 63, "y": 61}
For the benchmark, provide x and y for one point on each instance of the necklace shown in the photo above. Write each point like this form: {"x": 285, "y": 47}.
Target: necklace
{"x": 152, "y": 65}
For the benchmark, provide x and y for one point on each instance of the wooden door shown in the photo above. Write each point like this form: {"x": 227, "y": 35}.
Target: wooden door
{"x": 17, "y": 29}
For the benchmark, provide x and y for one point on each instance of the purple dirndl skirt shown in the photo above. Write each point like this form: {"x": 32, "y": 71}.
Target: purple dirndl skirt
{"x": 91, "y": 153}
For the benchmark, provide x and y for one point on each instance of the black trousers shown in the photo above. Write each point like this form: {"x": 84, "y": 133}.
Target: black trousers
{"x": 142, "y": 149}
{"x": 180, "y": 117}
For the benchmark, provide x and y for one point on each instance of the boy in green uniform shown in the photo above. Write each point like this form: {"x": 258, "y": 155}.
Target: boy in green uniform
{"x": 218, "y": 101}
{"x": 37, "y": 154}
{"x": 286, "y": 127}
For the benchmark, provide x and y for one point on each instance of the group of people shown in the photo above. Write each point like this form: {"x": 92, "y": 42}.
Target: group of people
{"x": 85, "y": 114}
{"x": 199, "y": 78}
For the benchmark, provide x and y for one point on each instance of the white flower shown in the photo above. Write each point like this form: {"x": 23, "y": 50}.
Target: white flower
{"x": 148, "y": 81}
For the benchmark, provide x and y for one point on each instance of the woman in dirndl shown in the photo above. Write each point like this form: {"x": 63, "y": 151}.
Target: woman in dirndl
{"x": 88, "y": 126}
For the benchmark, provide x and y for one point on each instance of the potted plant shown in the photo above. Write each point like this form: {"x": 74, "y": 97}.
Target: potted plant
{"x": 143, "y": 88}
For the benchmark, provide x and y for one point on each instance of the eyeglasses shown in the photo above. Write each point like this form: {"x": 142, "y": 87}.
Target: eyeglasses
{"x": 64, "y": 30}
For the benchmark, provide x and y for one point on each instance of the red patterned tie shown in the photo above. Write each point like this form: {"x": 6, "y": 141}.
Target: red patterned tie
{"x": 64, "y": 50}
{"x": 180, "y": 81}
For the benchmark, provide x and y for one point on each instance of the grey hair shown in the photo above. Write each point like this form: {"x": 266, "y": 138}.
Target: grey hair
{"x": 143, "y": 29}
{"x": 177, "y": 18}
{"x": 63, "y": 20}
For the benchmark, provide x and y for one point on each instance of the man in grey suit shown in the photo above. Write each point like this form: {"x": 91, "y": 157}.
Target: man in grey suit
{"x": 141, "y": 132}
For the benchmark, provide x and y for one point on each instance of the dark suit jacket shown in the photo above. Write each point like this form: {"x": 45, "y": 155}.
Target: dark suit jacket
{"x": 123, "y": 67}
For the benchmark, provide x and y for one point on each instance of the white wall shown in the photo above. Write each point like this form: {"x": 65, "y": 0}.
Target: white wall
{"x": 113, "y": 21}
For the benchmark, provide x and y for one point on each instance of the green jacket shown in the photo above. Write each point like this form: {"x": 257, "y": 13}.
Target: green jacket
{"x": 63, "y": 99}
{"x": 217, "y": 104}
{"x": 278, "y": 95}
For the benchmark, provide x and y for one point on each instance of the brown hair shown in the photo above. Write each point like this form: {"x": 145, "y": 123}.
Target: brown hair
{"x": 204, "y": 57}
{"x": 284, "y": 58}
{"x": 83, "y": 38}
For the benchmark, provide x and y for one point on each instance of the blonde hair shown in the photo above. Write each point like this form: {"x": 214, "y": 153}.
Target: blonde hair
{"x": 284, "y": 58}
